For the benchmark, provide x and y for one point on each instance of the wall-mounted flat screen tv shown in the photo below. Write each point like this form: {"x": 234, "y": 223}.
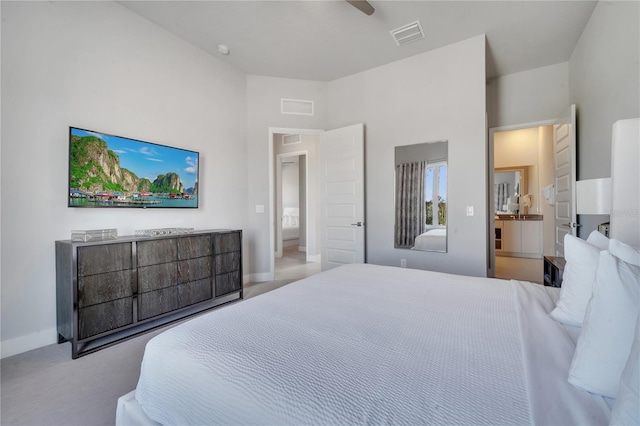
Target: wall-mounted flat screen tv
{"x": 113, "y": 171}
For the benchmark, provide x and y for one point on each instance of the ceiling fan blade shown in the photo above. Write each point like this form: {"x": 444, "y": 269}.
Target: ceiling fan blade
{"x": 362, "y": 5}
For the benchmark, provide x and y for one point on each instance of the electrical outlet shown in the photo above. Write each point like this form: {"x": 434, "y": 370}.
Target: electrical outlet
{"x": 403, "y": 263}
{"x": 259, "y": 208}
{"x": 469, "y": 210}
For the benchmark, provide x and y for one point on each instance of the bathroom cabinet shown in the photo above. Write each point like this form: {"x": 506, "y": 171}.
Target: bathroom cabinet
{"x": 519, "y": 238}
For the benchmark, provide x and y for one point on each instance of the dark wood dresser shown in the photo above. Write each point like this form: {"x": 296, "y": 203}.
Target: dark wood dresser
{"x": 108, "y": 291}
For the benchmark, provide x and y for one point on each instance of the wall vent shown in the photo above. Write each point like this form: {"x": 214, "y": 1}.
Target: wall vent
{"x": 296, "y": 107}
{"x": 407, "y": 33}
{"x": 291, "y": 139}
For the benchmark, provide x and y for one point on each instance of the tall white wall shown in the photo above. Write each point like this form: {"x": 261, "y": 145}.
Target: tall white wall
{"x": 529, "y": 96}
{"x": 604, "y": 75}
{"x": 438, "y": 95}
{"x": 98, "y": 66}
{"x": 520, "y": 148}
{"x": 290, "y": 185}
{"x": 263, "y": 100}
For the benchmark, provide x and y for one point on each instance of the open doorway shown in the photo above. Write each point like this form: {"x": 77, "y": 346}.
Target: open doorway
{"x": 521, "y": 179}
{"x": 294, "y": 203}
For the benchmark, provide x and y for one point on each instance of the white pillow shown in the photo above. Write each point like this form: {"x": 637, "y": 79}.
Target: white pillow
{"x": 626, "y": 410}
{"x": 598, "y": 239}
{"x": 607, "y": 334}
{"x": 624, "y": 252}
{"x": 577, "y": 280}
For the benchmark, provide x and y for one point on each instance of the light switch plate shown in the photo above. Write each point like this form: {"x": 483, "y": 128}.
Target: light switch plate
{"x": 469, "y": 210}
{"x": 259, "y": 208}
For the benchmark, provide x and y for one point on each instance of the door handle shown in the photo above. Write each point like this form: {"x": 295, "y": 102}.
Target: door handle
{"x": 571, "y": 225}
{"x": 357, "y": 224}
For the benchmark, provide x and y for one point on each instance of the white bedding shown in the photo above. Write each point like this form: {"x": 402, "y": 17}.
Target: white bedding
{"x": 433, "y": 239}
{"x": 290, "y": 232}
{"x": 290, "y": 223}
{"x": 371, "y": 344}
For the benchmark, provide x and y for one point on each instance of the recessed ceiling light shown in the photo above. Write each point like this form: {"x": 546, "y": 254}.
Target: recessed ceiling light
{"x": 224, "y": 49}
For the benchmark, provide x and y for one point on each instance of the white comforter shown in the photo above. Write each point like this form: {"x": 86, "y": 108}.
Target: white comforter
{"x": 370, "y": 344}
{"x": 434, "y": 239}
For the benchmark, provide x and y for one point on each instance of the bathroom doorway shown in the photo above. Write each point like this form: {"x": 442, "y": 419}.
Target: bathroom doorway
{"x": 522, "y": 178}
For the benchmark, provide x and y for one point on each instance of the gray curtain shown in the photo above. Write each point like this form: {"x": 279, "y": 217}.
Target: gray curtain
{"x": 500, "y": 193}
{"x": 410, "y": 202}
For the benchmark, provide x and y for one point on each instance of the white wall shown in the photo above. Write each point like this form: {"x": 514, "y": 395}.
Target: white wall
{"x": 516, "y": 147}
{"x": 433, "y": 96}
{"x": 529, "y": 96}
{"x": 520, "y": 148}
{"x": 263, "y": 100}
{"x": 290, "y": 185}
{"x": 96, "y": 65}
{"x": 604, "y": 74}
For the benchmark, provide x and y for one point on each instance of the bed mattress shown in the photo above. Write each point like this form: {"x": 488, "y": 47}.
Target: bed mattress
{"x": 290, "y": 232}
{"x": 434, "y": 239}
{"x": 366, "y": 344}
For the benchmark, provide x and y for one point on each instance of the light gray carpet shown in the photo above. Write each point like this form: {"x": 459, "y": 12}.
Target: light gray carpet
{"x": 46, "y": 387}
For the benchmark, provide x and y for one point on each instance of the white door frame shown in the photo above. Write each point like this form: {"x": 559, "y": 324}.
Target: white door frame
{"x": 278, "y": 203}
{"x": 272, "y": 132}
{"x": 491, "y": 250}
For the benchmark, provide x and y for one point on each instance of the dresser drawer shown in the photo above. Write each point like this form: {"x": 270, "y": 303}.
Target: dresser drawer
{"x": 194, "y": 292}
{"x": 228, "y": 283}
{"x": 157, "y": 251}
{"x": 157, "y": 302}
{"x": 224, "y": 243}
{"x": 192, "y": 247}
{"x": 227, "y": 262}
{"x": 103, "y": 317}
{"x": 159, "y": 276}
{"x": 103, "y": 258}
{"x": 94, "y": 289}
{"x": 194, "y": 269}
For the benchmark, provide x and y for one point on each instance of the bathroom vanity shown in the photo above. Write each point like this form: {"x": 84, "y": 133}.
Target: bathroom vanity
{"x": 518, "y": 235}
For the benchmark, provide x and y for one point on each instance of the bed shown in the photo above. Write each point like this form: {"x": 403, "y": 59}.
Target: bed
{"x": 290, "y": 226}
{"x": 434, "y": 239}
{"x": 349, "y": 347}
{"x": 370, "y": 344}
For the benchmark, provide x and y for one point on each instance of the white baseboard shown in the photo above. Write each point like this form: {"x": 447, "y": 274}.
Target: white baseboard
{"x": 313, "y": 258}
{"x": 259, "y": 277}
{"x": 26, "y": 343}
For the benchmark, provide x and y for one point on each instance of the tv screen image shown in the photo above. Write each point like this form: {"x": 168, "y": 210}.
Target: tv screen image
{"x": 113, "y": 171}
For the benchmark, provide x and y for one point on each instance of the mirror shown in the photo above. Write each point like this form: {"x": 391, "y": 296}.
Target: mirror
{"x": 512, "y": 189}
{"x": 421, "y": 196}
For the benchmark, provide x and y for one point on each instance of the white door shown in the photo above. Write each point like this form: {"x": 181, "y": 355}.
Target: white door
{"x": 564, "y": 138}
{"x": 342, "y": 196}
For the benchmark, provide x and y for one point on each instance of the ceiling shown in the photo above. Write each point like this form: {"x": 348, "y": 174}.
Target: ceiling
{"x": 329, "y": 39}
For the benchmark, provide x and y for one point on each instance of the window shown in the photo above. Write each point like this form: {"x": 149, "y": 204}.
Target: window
{"x": 436, "y": 190}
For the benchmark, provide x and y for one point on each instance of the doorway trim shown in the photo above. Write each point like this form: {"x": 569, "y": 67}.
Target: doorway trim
{"x": 491, "y": 249}
{"x": 272, "y": 224}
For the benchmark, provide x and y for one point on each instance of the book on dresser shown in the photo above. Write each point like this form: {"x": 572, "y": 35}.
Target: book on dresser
{"x": 108, "y": 291}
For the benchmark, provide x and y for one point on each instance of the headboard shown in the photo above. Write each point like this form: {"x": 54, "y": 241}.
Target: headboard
{"x": 625, "y": 182}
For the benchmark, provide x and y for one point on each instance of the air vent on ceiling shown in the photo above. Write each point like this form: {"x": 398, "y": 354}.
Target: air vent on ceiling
{"x": 407, "y": 33}
{"x": 291, "y": 139}
{"x": 296, "y": 107}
